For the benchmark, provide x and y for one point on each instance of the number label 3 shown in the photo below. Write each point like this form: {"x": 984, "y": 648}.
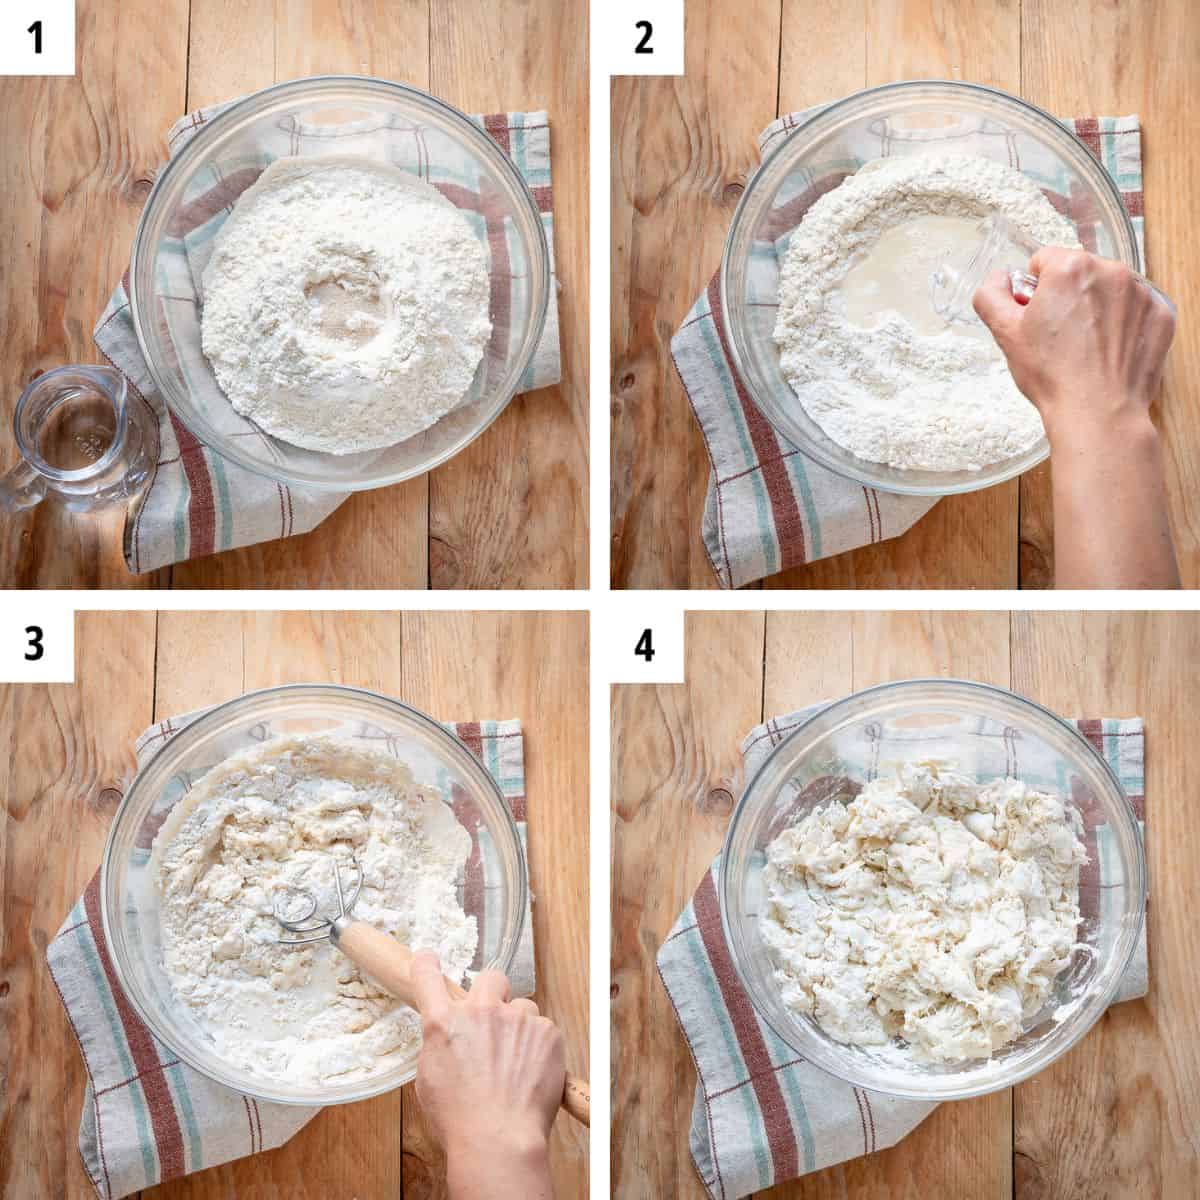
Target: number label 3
{"x": 36, "y": 649}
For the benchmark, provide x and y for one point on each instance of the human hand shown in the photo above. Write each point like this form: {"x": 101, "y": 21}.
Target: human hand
{"x": 1088, "y": 349}
{"x": 490, "y": 1080}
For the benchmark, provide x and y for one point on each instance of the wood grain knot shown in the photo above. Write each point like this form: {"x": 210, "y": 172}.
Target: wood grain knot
{"x": 109, "y": 797}
{"x": 5, "y": 988}
{"x": 614, "y": 990}
{"x": 718, "y": 802}
{"x": 139, "y": 189}
{"x": 732, "y": 193}
{"x": 626, "y": 382}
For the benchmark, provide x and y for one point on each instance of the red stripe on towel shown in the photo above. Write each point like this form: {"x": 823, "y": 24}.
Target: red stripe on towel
{"x": 789, "y": 529}
{"x": 168, "y": 1137}
{"x": 200, "y": 515}
{"x": 781, "y": 1138}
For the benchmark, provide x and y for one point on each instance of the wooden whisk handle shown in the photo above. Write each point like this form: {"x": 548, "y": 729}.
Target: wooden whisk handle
{"x": 389, "y": 963}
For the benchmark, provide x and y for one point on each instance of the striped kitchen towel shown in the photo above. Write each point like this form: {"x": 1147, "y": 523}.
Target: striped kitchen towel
{"x": 198, "y": 502}
{"x": 761, "y": 1115}
{"x": 768, "y": 507}
{"x": 147, "y": 1117}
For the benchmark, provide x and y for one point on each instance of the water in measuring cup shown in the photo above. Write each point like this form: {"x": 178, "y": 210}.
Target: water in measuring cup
{"x": 894, "y": 272}
{"x": 77, "y": 429}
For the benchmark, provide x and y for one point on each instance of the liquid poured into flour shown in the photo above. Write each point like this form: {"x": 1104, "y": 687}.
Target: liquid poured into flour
{"x": 895, "y": 273}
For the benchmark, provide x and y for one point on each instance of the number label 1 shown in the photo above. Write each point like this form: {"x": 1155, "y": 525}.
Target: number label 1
{"x": 39, "y": 39}
{"x": 643, "y": 46}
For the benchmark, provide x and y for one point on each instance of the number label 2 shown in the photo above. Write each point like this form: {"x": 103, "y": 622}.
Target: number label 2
{"x": 36, "y": 30}
{"x": 644, "y": 47}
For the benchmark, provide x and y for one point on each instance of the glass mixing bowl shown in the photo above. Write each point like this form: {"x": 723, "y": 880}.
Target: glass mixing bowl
{"x": 994, "y": 734}
{"x": 376, "y": 119}
{"x": 898, "y": 118}
{"x": 493, "y": 888}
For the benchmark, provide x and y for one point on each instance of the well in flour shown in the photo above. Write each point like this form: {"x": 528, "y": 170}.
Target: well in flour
{"x": 345, "y": 304}
{"x": 930, "y": 908}
{"x": 901, "y": 389}
{"x": 273, "y": 818}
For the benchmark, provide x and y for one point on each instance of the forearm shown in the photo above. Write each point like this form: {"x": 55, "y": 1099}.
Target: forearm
{"x": 1110, "y": 508}
{"x": 481, "y": 1172}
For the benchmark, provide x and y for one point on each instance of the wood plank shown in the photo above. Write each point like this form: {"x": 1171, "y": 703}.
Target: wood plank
{"x": 377, "y": 538}
{"x": 674, "y": 776}
{"x": 1143, "y": 59}
{"x": 975, "y": 40}
{"x": 68, "y": 756}
{"x": 347, "y": 1150}
{"x": 533, "y": 666}
{"x": 511, "y": 510}
{"x": 682, "y": 150}
{"x": 962, "y": 1150}
{"x": 809, "y": 657}
{"x": 1116, "y": 1116}
{"x": 76, "y": 164}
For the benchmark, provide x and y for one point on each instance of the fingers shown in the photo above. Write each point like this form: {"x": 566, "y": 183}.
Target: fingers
{"x": 997, "y": 309}
{"x": 523, "y": 1005}
{"x": 1050, "y": 260}
{"x": 490, "y": 987}
{"x": 429, "y": 987}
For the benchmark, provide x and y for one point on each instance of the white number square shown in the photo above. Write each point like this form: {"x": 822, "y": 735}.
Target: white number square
{"x": 37, "y": 37}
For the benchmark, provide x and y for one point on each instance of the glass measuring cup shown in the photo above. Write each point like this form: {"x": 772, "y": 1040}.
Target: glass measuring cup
{"x": 1001, "y": 245}
{"x": 82, "y": 442}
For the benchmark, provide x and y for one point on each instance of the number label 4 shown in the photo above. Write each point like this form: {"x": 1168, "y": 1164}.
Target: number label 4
{"x": 645, "y": 645}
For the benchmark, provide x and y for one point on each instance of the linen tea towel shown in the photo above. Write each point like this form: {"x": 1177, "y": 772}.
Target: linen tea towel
{"x": 769, "y": 507}
{"x": 148, "y": 1117}
{"x": 200, "y": 503}
{"x": 762, "y": 1115}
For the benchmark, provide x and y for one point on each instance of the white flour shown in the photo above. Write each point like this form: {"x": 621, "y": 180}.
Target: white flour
{"x": 345, "y": 304}
{"x": 930, "y": 908}
{"x": 894, "y": 394}
{"x": 272, "y": 817}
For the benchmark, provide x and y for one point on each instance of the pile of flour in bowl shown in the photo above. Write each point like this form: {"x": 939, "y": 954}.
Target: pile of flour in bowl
{"x": 345, "y": 304}
{"x": 273, "y": 818}
{"x": 893, "y": 389}
{"x": 931, "y": 909}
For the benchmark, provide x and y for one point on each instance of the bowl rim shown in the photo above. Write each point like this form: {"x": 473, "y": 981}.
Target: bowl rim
{"x": 849, "y": 1074}
{"x": 487, "y": 149}
{"x": 864, "y": 474}
{"x": 213, "y": 717}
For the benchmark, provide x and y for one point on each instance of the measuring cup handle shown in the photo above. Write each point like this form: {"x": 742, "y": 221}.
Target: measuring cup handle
{"x": 21, "y": 488}
{"x": 1024, "y": 285}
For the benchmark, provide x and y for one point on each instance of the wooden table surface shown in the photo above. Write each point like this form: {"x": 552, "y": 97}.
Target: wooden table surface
{"x": 683, "y": 149}
{"x": 1115, "y": 1117}
{"x": 77, "y": 158}
{"x": 68, "y": 755}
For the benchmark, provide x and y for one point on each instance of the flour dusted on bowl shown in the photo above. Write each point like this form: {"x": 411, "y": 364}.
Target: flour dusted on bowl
{"x": 930, "y": 908}
{"x": 275, "y": 817}
{"x": 895, "y": 389}
{"x": 345, "y": 304}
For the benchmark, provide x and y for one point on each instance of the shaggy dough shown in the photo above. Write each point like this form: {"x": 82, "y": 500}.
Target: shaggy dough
{"x": 929, "y": 908}
{"x": 276, "y": 816}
